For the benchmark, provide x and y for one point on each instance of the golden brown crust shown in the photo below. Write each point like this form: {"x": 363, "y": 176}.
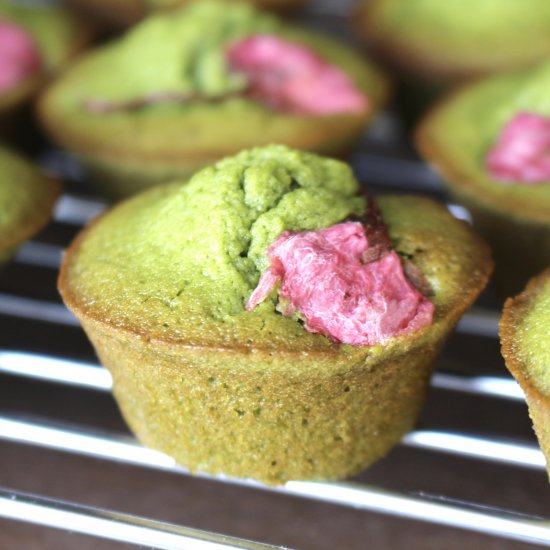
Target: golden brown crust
{"x": 537, "y": 401}
{"x": 270, "y": 421}
{"x": 513, "y": 312}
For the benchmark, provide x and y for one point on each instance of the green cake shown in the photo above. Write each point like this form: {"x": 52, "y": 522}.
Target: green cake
{"x": 58, "y": 36}
{"x": 27, "y": 198}
{"x": 525, "y": 338}
{"x": 126, "y": 115}
{"x": 160, "y": 283}
{"x": 456, "y": 138}
{"x": 442, "y": 42}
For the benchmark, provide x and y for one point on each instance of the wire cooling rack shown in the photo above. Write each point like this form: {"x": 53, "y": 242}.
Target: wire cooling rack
{"x": 475, "y": 421}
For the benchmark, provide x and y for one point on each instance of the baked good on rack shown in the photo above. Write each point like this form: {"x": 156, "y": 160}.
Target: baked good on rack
{"x": 27, "y": 198}
{"x": 20, "y": 59}
{"x": 215, "y": 79}
{"x": 122, "y": 13}
{"x": 442, "y": 42}
{"x": 490, "y": 143}
{"x": 525, "y": 339}
{"x": 255, "y": 328}
{"x": 35, "y": 41}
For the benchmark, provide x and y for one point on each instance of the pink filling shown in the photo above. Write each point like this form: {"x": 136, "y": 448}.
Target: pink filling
{"x": 19, "y": 56}
{"x": 292, "y": 78}
{"x": 522, "y": 151}
{"x": 323, "y": 278}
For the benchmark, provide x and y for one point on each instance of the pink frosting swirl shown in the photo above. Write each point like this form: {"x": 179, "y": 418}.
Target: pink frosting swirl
{"x": 322, "y": 277}
{"x": 19, "y": 55}
{"x": 290, "y": 77}
{"x": 522, "y": 151}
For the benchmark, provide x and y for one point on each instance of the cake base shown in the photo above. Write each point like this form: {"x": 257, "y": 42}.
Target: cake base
{"x": 270, "y": 416}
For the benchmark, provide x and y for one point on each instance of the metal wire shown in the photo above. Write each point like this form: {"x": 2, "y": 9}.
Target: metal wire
{"x": 88, "y": 375}
{"x": 419, "y": 507}
{"x": 36, "y": 310}
{"x": 125, "y": 449}
{"x": 111, "y": 525}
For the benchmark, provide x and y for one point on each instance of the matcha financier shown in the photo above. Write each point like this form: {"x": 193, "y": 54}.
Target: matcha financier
{"x": 525, "y": 339}
{"x": 35, "y": 41}
{"x": 121, "y": 13}
{"x": 27, "y": 198}
{"x": 215, "y": 79}
{"x": 265, "y": 320}
{"x": 444, "y": 42}
{"x": 490, "y": 142}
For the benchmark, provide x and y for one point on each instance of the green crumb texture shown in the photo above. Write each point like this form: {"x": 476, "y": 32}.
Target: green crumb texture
{"x": 198, "y": 249}
{"x": 160, "y": 283}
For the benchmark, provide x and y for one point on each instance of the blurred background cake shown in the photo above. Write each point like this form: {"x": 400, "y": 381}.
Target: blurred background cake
{"x": 36, "y": 40}
{"x": 490, "y": 142}
{"x": 433, "y": 45}
{"x": 444, "y": 42}
{"x": 27, "y": 198}
{"x": 184, "y": 89}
